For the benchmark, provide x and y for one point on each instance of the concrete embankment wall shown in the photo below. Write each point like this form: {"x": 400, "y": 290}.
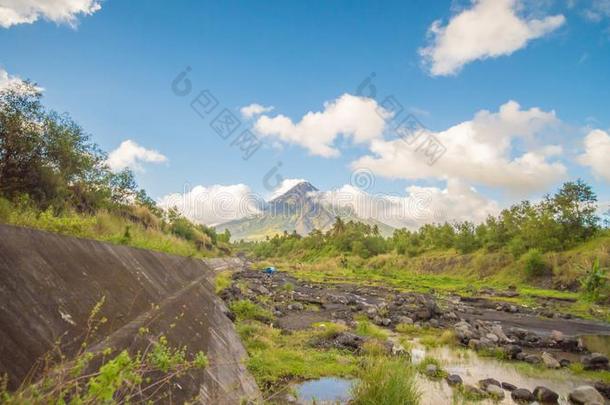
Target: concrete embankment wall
{"x": 49, "y": 283}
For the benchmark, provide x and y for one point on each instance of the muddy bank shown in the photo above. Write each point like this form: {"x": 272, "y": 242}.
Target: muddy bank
{"x": 49, "y": 284}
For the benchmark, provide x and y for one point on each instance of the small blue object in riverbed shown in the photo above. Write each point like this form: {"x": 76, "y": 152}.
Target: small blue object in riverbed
{"x": 270, "y": 270}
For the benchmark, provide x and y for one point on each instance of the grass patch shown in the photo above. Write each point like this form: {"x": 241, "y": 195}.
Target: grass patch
{"x": 248, "y": 310}
{"x": 276, "y": 358}
{"x": 222, "y": 280}
{"x": 384, "y": 380}
{"x": 366, "y": 328}
{"x": 426, "y": 361}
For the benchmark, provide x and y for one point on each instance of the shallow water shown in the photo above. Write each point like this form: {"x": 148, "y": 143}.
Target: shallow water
{"x": 472, "y": 368}
{"x": 466, "y": 363}
{"x": 329, "y": 390}
{"x": 597, "y": 343}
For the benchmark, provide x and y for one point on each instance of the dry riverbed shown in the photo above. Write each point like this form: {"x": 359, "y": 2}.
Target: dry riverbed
{"x": 468, "y": 348}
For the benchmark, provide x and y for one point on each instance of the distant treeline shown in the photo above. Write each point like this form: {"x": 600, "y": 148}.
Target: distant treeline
{"x": 556, "y": 223}
{"x": 50, "y": 167}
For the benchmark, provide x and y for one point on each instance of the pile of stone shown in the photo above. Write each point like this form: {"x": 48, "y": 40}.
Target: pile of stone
{"x": 491, "y": 388}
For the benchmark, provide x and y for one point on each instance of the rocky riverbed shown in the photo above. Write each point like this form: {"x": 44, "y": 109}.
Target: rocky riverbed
{"x": 481, "y": 323}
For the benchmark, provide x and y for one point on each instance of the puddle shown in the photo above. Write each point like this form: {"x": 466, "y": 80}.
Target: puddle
{"x": 329, "y": 390}
{"x": 597, "y": 343}
{"x": 472, "y": 368}
{"x": 468, "y": 365}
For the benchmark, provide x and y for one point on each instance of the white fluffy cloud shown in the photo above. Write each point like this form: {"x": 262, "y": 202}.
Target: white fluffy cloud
{"x": 480, "y": 151}
{"x": 7, "y": 80}
{"x": 131, "y": 155}
{"x": 597, "y": 154}
{"x": 359, "y": 118}
{"x": 214, "y": 204}
{"x": 420, "y": 205}
{"x": 490, "y": 28}
{"x": 13, "y": 12}
{"x": 254, "y": 109}
{"x": 16, "y": 83}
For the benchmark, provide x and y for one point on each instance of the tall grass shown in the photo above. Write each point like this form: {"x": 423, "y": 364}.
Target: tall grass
{"x": 104, "y": 226}
{"x": 386, "y": 381}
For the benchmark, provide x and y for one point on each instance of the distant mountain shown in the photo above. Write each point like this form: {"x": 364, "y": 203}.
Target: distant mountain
{"x": 295, "y": 210}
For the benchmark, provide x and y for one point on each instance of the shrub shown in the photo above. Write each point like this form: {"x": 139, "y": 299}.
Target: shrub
{"x": 5, "y": 210}
{"x": 246, "y": 309}
{"x": 595, "y": 283}
{"x": 386, "y": 380}
{"x": 534, "y": 263}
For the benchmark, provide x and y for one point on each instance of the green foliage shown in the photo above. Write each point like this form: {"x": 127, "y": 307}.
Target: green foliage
{"x": 98, "y": 377}
{"x": 595, "y": 283}
{"x": 557, "y": 223}
{"x": 276, "y": 357}
{"x": 384, "y": 380}
{"x": 365, "y": 328}
{"x": 246, "y": 309}
{"x": 534, "y": 264}
{"x": 222, "y": 281}
{"x": 53, "y": 177}
{"x": 422, "y": 367}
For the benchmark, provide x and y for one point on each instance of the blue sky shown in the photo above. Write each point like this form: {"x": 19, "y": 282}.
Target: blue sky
{"x": 112, "y": 69}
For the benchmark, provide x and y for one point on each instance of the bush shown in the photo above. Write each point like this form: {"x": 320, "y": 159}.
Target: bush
{"x": 595, "y": 283}
{"x": 5, "y": 210}
{"x": 534, "y": 263}
{"x": 386, "y": 380}
{"x": 246, "y": 309}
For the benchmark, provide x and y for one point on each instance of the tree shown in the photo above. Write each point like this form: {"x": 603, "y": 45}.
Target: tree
{"x": 575, "y": 205}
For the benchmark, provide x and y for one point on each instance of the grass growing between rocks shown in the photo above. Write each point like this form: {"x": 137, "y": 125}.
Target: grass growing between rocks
{"x": 463, "y": 278}
{"x": 277, "y": 358}
{"x": 222, "y": 281}
{"x": 368, "y": 329}
{"x": 384, "y": 380}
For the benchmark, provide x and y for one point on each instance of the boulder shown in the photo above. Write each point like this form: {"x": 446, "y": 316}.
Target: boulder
{"x": 545, "y": 395}
{"x": 512, "y": 351}
{"x": 603, "y": 388}
{"x": 521, "y": 395}
{"x": 550, "y": 361}
{"x": 472, "y": 390}
{"x": 431, "y": 370}
{"x": 495, "y": 391}
{"x": 487, "y": 382}
{"x": 595, "y": 361}
{"x": 557, "y": 336}
{"x": 405, "y": 319}
{"x": 509, "y": 386}
{"x": 532, "y": 359}
{"x": 454, "y": 380}
{"x": 586, "y": 395}
{"x": 565, "y": 363}
{"x": 349, "y": 341}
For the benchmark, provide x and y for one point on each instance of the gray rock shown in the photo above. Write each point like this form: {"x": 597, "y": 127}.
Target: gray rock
{"x": 386, "y": 321}
{"x": 586, "y": 395}
{"x": 603, "y": 388}
{"x": 557, "y": 336}
{"x": 521, "y": 395}
{"x": 472, "y": 390}
{"x": 550, "y": 361}
{"x": 405, "y": 319}
{"x": 431, "y": 370}
{"x": 512, "y": 351}
{"x": 545, "y": 395}
{"x": 532, "y": 358}
{"x": 487, "y": 382}
{"x": 454, "y": 379}
{"x": 509, "y": 386}
{"x": 595, "y": 361}
{"x": 495, "y": 391}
